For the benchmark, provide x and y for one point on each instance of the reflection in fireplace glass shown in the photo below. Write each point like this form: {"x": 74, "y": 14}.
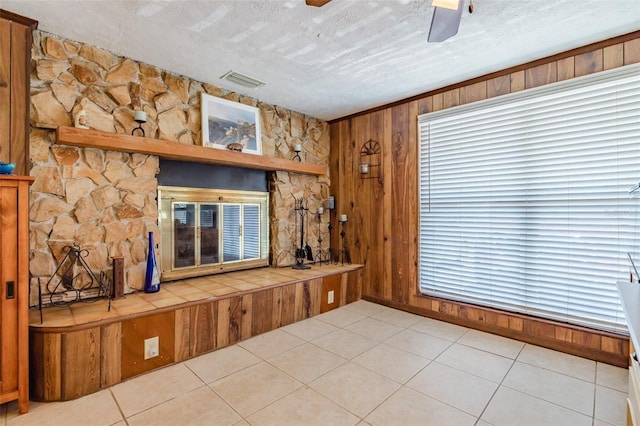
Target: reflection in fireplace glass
{"x": 184, "y": 221}
{"x": 231, "y": 233}
{"x": 208, "y": 234}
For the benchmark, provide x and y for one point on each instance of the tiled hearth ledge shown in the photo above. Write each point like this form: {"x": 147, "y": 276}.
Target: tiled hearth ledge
{"x": 80, "y": 349}
{"x": 180, "y": 294}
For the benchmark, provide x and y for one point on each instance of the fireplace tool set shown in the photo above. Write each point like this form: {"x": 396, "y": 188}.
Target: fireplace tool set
{"x": 76, "y": 282}
{"x": 303, "y": 251}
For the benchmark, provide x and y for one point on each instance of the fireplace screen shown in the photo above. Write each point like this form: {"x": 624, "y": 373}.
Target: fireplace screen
{"x": 206, "y": 231}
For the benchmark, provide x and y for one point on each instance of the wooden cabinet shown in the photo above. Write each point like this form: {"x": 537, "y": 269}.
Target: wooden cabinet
{"x": 14, "y": 290}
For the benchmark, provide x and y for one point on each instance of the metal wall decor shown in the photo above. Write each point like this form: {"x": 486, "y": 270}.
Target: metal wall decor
{"x": 76, "y": 282}
{"x": 371, "y": 161}
{"x": 322, "y": 255}
{"x": 344, "y": 255}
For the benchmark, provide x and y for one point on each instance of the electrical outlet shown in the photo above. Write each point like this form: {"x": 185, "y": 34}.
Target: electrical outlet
{"x": 330, "y": 297}
{"x": 151, "y": 347}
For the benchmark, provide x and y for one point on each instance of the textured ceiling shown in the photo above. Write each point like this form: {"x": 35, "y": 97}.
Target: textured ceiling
{"x": 328, "y": 62}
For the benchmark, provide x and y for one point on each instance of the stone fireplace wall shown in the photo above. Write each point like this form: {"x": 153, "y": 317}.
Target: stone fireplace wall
{"x": 105, "y": 201}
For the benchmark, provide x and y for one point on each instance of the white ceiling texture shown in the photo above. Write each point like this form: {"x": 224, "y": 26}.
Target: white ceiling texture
{"x": 329, "y": 62}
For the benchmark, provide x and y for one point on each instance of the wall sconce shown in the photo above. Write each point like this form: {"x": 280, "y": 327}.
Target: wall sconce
{"x": 297, "y": 148}
{"x": 140, "y": 117}
{"x": 370, "y": 161}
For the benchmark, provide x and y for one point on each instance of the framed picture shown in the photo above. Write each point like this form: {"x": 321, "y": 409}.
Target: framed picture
{"x": 226, "y": 122}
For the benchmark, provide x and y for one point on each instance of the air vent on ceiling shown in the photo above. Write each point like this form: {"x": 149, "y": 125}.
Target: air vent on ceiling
{"x": 242, "y": 80}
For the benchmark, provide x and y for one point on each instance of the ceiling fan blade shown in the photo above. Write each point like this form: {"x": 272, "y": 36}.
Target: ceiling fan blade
{"x": 316, "y": 3}
{"x": 444, "y": 23}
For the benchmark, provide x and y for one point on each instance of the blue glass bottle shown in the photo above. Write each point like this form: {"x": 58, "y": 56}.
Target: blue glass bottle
{"x": 152, "y": 278}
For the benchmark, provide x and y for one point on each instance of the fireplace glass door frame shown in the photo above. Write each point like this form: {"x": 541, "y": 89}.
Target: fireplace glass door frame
{"x": 207, "y": 231}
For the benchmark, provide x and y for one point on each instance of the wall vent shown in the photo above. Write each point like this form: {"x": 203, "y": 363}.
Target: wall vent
{"x": 242, "y": 80}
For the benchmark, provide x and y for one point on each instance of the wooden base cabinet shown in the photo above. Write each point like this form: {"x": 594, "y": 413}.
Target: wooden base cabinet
{"x": 14, "y": 290}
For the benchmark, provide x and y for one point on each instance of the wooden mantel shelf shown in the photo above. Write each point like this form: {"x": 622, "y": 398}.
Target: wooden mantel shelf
{"x": 181, "y": 152}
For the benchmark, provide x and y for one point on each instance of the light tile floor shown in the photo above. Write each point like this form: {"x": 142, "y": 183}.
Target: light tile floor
{"x": 362, "y": 364}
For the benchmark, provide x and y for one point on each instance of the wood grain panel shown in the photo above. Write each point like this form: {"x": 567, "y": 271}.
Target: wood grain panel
{"x": 5, "y": 90}
{"x": 45, "y": 366}
{"x": 276, "y": 317}
{"x": 110, "y": 355}
{"x": 425, "y": 105}
{"x": 359, "y": 194}
{"x": 588, "y": 63}
{"x": 202, "y": 328}
{"x": 182, "y": 339}
{"x": 402, "y": 192}
{"x": 386, "y": 211}
{"x": 566, "y": 68}
{"x": 20, "y": 100}
{"x": 235, "y": 319}
{"x": 80, "y": 363}
{"x": 261, "y": 312}
{"x": 498, "y": 86}
{"x": 247, "y": 319}
{"x": 451, "y": 98}
{"x": 517, "y": 81}
{"x": 437, "y": 102}
{"x": 288, "y": 306}
{"x": 223, "y": 323}
{"x": 632, "y": 51}
{"x": 303, "y": 300}
{"x": 474, "y": 92}
{"x": 376, "y": 201}
{"x": 354, "y": 286}
{"x": 613, "y": 56}
{"x": 541, "y": 75}
{"x": 315, "y": 292}
{"x": 135, "y": 331}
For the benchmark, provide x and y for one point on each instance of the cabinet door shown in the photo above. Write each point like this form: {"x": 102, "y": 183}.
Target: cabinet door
{"x": 8, "y": 289}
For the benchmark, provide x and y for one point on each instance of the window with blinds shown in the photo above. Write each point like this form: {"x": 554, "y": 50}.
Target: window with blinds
{"x": 524, "y": 199}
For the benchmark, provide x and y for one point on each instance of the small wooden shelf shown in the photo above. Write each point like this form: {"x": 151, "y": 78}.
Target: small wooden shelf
{"x": 181, "y": 152}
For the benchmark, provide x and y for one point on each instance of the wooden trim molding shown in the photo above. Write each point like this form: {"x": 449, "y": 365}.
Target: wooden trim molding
{"x": 597, "y": 345}
{"x": 18, "y": 19}
{"x": 176, "y": 151}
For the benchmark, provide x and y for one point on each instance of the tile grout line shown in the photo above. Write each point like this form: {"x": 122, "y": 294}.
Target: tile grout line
{"x": 499, "y": 385}
{"x": 124, "y": 418}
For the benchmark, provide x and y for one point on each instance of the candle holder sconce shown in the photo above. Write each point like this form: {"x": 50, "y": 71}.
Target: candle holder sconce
{"x": 139, "y": 117}
{"x": 370, "y": 161}
{"x": 297, "y": 148}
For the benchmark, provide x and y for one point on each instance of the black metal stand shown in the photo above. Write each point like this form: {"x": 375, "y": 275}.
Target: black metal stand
{"x": 344, "y": 254}
{"x": 302, "y": 252}
{"x": 330, "y": 255}
{"x": 322, "y": 255}
{"x": 74, "y": 287}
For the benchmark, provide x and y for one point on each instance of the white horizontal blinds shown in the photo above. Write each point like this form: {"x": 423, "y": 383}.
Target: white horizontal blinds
{"x": 525, "y": 203}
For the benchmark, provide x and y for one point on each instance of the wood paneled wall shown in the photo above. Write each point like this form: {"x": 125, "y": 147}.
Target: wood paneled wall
{"x": 15, "y": 81}
{"x": 382, "y": 232}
